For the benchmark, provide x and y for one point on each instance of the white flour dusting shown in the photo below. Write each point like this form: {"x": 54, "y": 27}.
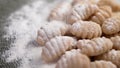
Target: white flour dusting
{"x": 23, "y": 25}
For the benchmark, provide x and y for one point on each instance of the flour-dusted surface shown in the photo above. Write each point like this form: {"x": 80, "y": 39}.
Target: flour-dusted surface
{"x": 23, "y": 25}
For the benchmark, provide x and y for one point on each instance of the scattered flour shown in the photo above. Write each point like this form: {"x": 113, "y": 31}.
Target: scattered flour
{"x": 23, "y": 25}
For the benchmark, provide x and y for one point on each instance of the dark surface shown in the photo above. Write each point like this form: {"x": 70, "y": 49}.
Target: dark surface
{"x": 6, "y": 8}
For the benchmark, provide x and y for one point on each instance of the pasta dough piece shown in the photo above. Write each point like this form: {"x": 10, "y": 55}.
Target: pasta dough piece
{"x": 95, "y": 46}
{"x": 86, "y": 29}
{"x": 60, "y": 11}
{"x": 116, "y": 14}
{"x": 117, "y": 34}
{"x": 109, "y": 36}
{"x": 53, "y": 29}
{"x": 116, "y": 42}
{"x": 80, "y": 2}
{"x": 84, "y": 1}
{"x": 113, "y": 56}
{"x": 112, "y": 3}
{"x": 73, "y": 59}
{"x": 56, "y": 47}
{"x": 103, "y": 13}
{"x": 81, "y": 12}
{"x": 102, "y": 64}
{"x": 93, "y": 1}
{"x": 111, "y": 25}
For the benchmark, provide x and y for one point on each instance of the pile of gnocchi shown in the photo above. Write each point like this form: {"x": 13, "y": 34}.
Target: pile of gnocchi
{"x": 82, "y": 34}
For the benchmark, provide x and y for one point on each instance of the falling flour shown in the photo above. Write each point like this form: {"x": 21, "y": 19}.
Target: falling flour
{"x": 23, "y": 25}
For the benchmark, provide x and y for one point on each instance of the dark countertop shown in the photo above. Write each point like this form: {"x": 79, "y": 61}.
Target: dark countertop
{"x": 6, "y": 8}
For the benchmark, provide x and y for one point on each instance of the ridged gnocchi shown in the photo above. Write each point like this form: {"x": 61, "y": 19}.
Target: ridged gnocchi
{"x": 94, "y": 46}
{"x": 60, "y": 12}
{"x": 50, "y": 30}
{"x": 86, "y": 29}
{"x": 102, "y": 64}
{"x": 73, "y": 59}
{"x": 111, "y": 25}
{"x": 103, "y": 13}
{"x": 116, "y": 42}
{"x": 112, "y": 3}
{"x": 56, "y": 47}
{"x": 82, "y": 34}
{"x": 81, "y": 12}
{"x": 113, "y": 56}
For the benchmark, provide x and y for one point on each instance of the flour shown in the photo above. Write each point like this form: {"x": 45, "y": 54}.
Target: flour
{"x": 23, "y": 25}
